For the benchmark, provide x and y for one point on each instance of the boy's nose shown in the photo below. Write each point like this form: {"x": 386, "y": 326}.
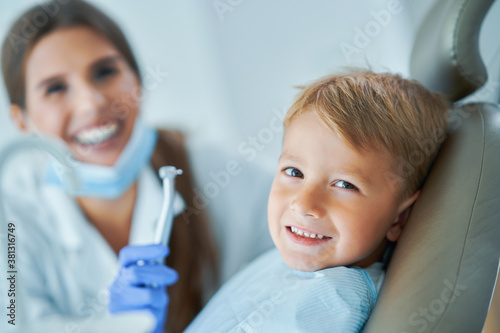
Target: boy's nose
{"x": 309, "y": 202}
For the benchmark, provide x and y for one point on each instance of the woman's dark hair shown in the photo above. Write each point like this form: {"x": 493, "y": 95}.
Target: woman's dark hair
{"x": 193, "y": 252}
{"x": 43, "y": 19}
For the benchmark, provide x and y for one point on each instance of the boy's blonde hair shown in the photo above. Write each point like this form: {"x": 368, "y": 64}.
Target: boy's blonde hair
{"x": 383, "y": 112}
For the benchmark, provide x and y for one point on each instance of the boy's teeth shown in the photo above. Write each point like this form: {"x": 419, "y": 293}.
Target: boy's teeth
{"x": 303, "y": 233}
{"x": 97, "y": 134}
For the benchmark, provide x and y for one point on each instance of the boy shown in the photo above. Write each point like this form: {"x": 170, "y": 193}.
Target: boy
{"x": 356, "y": 151}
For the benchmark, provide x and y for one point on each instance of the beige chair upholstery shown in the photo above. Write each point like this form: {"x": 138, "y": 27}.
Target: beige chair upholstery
{"x": 446, "y": 55}
{"x": 444, "y": 268}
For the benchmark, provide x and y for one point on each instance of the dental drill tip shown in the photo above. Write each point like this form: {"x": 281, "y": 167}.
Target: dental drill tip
{"x": 169, "y": 171}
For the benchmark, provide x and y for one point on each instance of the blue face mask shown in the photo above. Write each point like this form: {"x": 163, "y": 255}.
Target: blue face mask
{"x": 110, "y": 182}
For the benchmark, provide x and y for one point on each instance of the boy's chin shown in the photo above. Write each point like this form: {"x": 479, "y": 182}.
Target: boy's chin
{"x": 302, "y": 264}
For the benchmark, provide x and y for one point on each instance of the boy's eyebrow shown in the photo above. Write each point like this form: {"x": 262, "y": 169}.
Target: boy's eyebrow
{"x": 286, "y": 156}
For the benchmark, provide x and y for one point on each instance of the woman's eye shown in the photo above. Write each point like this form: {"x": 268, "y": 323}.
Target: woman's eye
{"x": 346, "y": 185}
{"x": 104, "y": 73}
{"x": 293, "y": 172}
{"x": 54, "y": 88}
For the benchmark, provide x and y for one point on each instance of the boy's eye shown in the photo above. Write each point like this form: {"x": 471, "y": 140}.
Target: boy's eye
{"x": 346, "y": 185}
{"x": 293, "y": 172}
{"x": 104, "y": 72}
{"x": 55, "y": 88}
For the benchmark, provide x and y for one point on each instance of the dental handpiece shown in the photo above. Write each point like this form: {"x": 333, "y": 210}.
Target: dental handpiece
{"x": 165, "y": 221}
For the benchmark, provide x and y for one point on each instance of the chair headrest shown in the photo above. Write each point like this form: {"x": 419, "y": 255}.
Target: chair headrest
{"x": 444, "y": 267}
{"x": 445, "y": 56}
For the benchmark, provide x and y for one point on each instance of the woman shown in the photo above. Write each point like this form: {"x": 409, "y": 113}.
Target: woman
{"x": 74, "y": 77}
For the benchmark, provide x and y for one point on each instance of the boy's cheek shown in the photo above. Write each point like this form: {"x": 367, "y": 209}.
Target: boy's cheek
{"x": 273, "y": 216}
{"x": 276, "y": 203}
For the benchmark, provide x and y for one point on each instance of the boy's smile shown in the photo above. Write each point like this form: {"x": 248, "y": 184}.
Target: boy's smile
{"x": 330, "y": 204}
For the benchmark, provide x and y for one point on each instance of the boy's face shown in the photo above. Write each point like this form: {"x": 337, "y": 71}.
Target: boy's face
{"x": 326, "y": 189}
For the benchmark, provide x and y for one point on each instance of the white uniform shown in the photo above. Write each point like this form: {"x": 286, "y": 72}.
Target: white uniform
{"x": 64, "y": 266}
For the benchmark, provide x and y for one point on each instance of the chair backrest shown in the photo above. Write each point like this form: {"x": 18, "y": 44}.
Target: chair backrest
{"x": 444, "y": 267}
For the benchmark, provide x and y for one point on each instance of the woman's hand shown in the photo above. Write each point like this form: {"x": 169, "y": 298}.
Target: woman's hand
{"x": 141, "y": 282}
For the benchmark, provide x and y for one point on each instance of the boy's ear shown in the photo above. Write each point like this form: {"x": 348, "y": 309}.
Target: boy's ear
{"x": 19, "y": 117}
{"x": 404, "y": 211}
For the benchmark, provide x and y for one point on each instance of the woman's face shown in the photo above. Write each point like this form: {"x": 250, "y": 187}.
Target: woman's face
{"x": 79, "y": 88}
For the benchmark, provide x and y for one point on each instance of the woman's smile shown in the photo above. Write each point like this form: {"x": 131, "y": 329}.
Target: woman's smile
{"x": 77, "y": 94}
{"x": 103, "y": 135}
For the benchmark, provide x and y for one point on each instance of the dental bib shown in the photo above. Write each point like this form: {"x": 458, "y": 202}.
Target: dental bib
{"x": 268, "y": 296}
{"x": 109, "y": 182}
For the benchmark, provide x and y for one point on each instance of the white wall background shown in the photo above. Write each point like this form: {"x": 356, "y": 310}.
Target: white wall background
{"x": 229, "y": 72}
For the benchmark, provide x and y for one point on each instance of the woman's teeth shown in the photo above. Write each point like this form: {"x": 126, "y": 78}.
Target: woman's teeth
{"x": 97, "y": 134}
{"x": 303, "y": 233}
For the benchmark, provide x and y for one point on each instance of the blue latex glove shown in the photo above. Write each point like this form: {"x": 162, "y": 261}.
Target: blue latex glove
{"x": 141, "y": 282}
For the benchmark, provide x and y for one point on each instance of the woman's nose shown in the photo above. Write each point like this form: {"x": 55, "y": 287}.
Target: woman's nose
{"x": 309, "y": 201}
{"x": 87, "y": 99}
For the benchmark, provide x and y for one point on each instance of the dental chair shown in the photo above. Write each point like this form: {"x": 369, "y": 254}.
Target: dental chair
{"x": 444, "y": 268}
